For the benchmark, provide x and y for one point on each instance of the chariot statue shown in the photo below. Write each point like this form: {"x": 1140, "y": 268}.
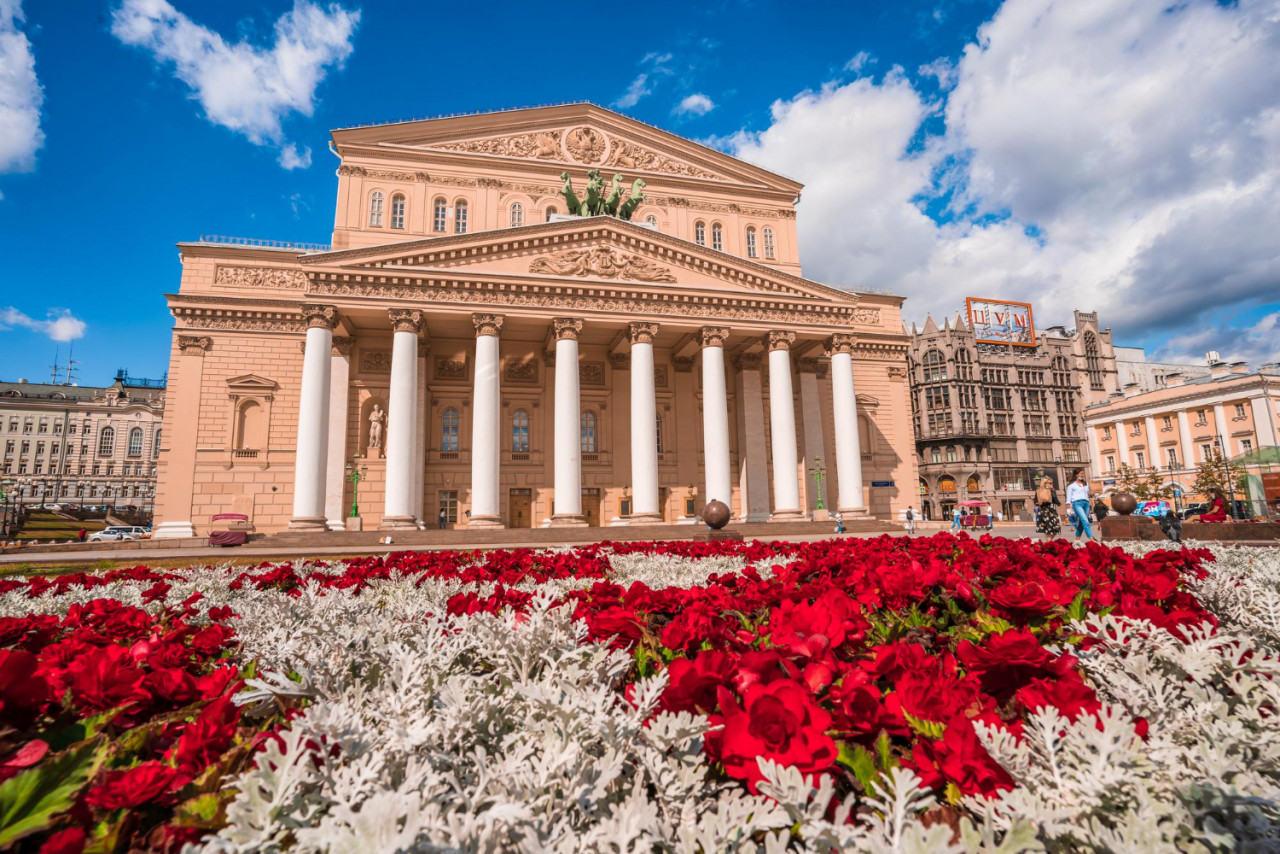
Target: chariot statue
{"x": 596, "y": 203}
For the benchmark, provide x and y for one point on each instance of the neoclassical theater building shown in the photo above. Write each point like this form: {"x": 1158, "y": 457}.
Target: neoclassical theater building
{"x": 470, "y": 348}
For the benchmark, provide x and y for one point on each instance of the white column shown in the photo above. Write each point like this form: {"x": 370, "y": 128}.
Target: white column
{"x": 1221, "y": 430}
{"x": 782, "y": 425}
{"x": 1188, "y": 454}
{"x": 567, "y": 504}
{"x": 339, "y": 394}
{"x": 1152, "y": 443}
{"x": 485, "y": 416}
{"x": 1095, "y": 454}
{"x": 1122, "y": 445}
{"x": 402, "y": 407}
{"x": 1264, "y": 425}
{"x": 420, "y": 434}
{"x": 715, "y": 417}
{"x": 844, "y": 405}
{"x": 311, "y": 450}
{"x": 644, "y": 427}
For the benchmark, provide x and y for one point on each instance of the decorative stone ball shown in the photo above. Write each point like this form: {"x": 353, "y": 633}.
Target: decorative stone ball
{"x": 716, "y": 514}
{"x": 1124, "y": 503}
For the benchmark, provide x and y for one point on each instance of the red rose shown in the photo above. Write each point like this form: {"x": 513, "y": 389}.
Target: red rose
{"x": 758, "y": 668}
{"x": 1027, "y": 597}
{"x": 778, "y": 721}
{"x": 176, "y": 686}
{"x": 939, "y": 698}
{"x": 1068, "y": 694}
{"x": 811, "y": 629}
{"x": 692, "y": 626}
{"x": 617, "y": 623}
{"x": 960, "y": 758}
{"x": 104, "y": 679}
{"x": 211, "y": 639}
{"x": 131, "y": 788}
{"x": 860, "y": 711}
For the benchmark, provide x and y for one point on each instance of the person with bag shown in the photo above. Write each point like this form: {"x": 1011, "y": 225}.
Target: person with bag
{"x": 911, "y": 521}
{"x": 1078, "y": 503}
{"x": 1047, "y": 505}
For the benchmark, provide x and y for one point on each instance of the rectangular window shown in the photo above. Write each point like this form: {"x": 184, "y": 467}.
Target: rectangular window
{"x": 935, "y": 455}
{"x": 1206, "y": 452}
{"x": 951, "y": 454}
{"x": 449, "y": 503}
{"x": 1071, "y": 455}
{"x": 1141, "y": 459}
{"x": 57, "y": 428}
{"x": 8, "y": 447}
{"x": 1111, "y": 463}
{"x": 1200, "y": 418}
{"x": 1246, "y": 446}
{"x": 1239, "y": 410}
{"x": 44, "y": 425}
{"x": 13, "y": 425}
{"x": 1168, "y": 423}
{"x": 1171, "y": 457}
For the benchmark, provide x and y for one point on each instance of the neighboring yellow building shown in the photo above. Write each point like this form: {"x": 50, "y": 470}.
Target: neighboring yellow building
{"x": 1176, "y": 428}
{"x": 502, "y": 364}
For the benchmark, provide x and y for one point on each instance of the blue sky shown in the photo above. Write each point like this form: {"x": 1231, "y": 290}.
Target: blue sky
{"x": 1014, "y": 148}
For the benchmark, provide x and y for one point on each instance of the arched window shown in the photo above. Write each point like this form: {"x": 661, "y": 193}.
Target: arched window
{"x": 155, "y": 446}
{"x": 135, "y": 442}
{"x": 439, "y": 214}
{"x": 106, "y": 441}
{"x": 768, "y": 243}
{"x": 652, "y": 220}
{"x": 717, "y": 237}
{"x": 460, "y": 216}
{"x": 250, "y": 426}
{"x": 517, "y": 214}
{"x": 449, "y": 430}
{"x": 700, "y": 233}
{"x": 520, "y": 432}
{"x": 973, "y": 486}
{"x": 590, "y": 443}
{"x": 1092, "y": 360}
{"x": 551, "y": 211}
{"x": 375, "y": 209}
{"x": 751, "y": 241}
{"x": 935, "y": 366}
{"x": 397, "y": 211}
{"x": 946, "y": 483}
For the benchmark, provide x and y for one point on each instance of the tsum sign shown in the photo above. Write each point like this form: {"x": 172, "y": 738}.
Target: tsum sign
{"x": 1001, "y": 322}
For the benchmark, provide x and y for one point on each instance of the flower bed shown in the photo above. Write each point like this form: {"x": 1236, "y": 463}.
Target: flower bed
{"x": 938, "y": 694}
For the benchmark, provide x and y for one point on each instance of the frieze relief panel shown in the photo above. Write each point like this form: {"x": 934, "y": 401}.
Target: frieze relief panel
{"x": 660, "y": 376}
{"x": 591, "y": 373}
{"x": 375, "y": 361}
{"x": 451, "y": 369}
{"x": 260, "y": 277}
{"x": 521, "y": 372}
{"x": 867, "y": 315}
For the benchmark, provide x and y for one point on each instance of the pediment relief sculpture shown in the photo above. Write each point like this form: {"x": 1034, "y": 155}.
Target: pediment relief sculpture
{"x": 602, "y": 262}
{"x": 582, "y": 144}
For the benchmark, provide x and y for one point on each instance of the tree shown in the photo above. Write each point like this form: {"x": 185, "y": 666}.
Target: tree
{"x": 1145, "y": 484}
{"x": 1217, "y": 472}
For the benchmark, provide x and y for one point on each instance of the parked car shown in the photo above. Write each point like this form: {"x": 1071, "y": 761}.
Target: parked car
{"x": 120, "y": 532}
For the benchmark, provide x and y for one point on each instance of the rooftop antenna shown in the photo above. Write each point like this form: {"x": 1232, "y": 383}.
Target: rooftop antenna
{"x": 72, "y": 374}
{"x": 57, "y": 352}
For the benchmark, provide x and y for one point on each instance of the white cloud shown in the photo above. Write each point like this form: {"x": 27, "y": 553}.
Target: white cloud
{"x": 860, "y": 61}
{"x": 942, "y": 69}
{"x": 1257, "y": 344}
{"x": 240, "y": 86}
{"x": 696, "y": 104}
{"x": 21, "y": 95}
{"x": 1117, "y": 155}
{"x": 635, "y": 92}
{"x": 60, "y": 324}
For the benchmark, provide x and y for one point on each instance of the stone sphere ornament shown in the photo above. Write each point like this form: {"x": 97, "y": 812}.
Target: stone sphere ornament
{"x": 716, "y": 514}
{"x": 1124, "y": 503}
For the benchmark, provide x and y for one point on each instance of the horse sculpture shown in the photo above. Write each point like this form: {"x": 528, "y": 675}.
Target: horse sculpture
{"x": 630, "y": 205}
{"x": 570, "y": 197}
{"x": 593, "y": 204}
{"x": 615, "y": 196}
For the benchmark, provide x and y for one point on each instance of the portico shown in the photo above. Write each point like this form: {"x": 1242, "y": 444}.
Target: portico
{"x": 582, "y": 371}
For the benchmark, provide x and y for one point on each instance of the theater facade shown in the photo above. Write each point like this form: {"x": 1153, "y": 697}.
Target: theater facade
{"x": 478, "y": 357}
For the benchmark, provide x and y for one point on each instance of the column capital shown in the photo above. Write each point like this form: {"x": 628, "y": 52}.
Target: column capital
{"x": 405, "y": 320}
{"x": 342, "y": 345}
{"x": 841, "y": 342}
{"x": 567, "y": 327}
{"x": 713, "y": 336}
{"x": 488, "y": 324}
{"x": 778, "y": 340}
{"x": 194, "y": 345}
{"x": 319, "y": 316}
{"x": 642, "y": 333}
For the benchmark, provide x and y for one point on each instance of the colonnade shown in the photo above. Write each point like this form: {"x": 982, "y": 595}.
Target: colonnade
{"x": 403, "y": 443}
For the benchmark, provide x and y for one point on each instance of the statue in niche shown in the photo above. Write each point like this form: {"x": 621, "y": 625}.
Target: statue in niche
{"x": 377, "y": 418}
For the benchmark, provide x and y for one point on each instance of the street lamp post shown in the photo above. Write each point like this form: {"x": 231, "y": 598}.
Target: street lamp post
{"x": 356, "y": 472}
{"x": 818, "y": 471}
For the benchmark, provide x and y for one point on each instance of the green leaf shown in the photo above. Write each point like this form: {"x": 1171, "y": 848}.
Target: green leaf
{"x": 952, "y": 794}
{"x": 1076, "y": 611}
{"x": 857, "y": 759}
{"x": 200, "y": 811}
{"x": 30, "y": 800}
{"x": 884, "y": 752}
{"x": 929, "y": 729}
{"x": 642, "y": 661}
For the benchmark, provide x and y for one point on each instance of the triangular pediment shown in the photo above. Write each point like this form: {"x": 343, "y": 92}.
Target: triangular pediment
{"x": 577, "y": 136}
{"x": 592, "y": 250}
{"x": 251, "y": 383}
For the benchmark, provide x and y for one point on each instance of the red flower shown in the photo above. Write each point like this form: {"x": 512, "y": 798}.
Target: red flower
{"x": 23, "y": 758}
{"x": 1068, "y": 694}
{"x": 960, "y": 758}
{"x": 619, "y": 624}
{"x": 778, "y": 721}
{"x": 23, "y": 693}
{"x": 1024, "y": 597}
{"x": 207, "y": 737}
{"x": 1007, "y": 661}
{"x": 174, "y": 685}
{"x": 104, "y": 678}
{"x": 132, "y": 788}
{"x": 211, "y": 639}
{"x": 692, "y": 685}
{"x": 69, "y": 841}
{"x": 811, "y": 629}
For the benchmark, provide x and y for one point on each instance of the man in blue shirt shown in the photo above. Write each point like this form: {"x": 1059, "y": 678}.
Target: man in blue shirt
{"x": 1078, "y": 501}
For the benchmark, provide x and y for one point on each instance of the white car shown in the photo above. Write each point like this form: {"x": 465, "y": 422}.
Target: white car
{"x": 120, "y": 532}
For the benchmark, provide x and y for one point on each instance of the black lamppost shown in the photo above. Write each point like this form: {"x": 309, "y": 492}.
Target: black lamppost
{"x": 356, "y": 472}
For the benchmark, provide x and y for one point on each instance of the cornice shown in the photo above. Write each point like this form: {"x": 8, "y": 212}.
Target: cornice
{"x": 1203, "y": 395}
{"x": 242, "y": 320}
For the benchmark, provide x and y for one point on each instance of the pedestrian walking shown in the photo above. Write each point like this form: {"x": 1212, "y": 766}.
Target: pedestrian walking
{"x": 839, "y": 524}
{"x": 1078, "y": 501}
{"x": 82, "y": 534}
{"x": 1100, "y": 509}
{"x": 955, "y": 519}
{"x": 442, "y": 519}
{"x": 1047, "y": 504}
{"x": 911, "y": 522}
